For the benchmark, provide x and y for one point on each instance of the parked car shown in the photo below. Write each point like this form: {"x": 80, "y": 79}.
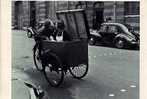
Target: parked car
{"x": 115, "y": 34}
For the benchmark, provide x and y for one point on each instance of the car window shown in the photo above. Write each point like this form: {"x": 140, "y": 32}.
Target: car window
{"x": 112, "y": 29}
{"x": 103, "y": 28}
{"x": 120, "y": 30}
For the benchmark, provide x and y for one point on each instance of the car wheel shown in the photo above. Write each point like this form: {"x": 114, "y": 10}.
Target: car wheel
{"x": 120, "y": 43}
{"x": 92, "y": 41}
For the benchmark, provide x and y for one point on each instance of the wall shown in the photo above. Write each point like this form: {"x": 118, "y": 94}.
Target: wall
{"x": 45, "y": 9}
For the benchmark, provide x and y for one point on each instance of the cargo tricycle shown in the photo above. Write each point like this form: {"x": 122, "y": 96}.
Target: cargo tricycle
{"x": 65, "y": 56}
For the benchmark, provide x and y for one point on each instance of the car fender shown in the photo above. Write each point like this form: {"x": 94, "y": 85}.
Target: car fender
{"x": 94, "y": 36}
{"x": 125, "y": 37}
{"x": 95, "y": 33}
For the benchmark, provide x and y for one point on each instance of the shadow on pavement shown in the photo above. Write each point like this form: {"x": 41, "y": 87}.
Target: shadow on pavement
{"x": 61, "y": 92}
{"x": 71, "y": 88}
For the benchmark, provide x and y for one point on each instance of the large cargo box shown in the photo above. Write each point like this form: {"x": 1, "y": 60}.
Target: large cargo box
{"x": 70, "y": 53}
{"x": 75, "y": 22}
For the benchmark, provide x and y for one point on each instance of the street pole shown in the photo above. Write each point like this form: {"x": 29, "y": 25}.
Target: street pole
{"x": 68, "y": 5}
{"x": 114, "y": 11}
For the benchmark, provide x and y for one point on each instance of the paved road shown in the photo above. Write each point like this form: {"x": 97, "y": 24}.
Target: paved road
{"x": 113, "y": 73}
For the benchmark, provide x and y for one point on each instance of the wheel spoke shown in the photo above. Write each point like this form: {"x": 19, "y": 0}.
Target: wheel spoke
{"x": 79, "y": 71}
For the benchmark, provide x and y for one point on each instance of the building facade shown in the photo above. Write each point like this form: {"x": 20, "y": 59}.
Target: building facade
{"x": 28, "y": 13}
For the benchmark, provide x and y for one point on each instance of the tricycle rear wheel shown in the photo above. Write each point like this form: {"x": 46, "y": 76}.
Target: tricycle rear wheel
{"x": 79, "y": 71}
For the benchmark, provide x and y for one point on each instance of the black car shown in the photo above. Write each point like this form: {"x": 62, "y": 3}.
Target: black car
{"x": 116, "y": 34}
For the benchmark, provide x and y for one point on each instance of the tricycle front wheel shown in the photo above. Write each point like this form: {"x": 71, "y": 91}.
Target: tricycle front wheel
{"x": 37, "y": 59}
{"x": 79, "y": 71}
{"x": 54, "y": 77}
{"x": 54, "y": 72}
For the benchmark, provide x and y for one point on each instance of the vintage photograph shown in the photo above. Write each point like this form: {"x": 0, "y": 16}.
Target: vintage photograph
{"x": 75, "y": 49}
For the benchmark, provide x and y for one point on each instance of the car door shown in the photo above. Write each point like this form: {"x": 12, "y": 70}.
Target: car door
{"x": 108, "y": 33}
{"x": 112, "y": 31}
{"x": 103, "y": 30}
